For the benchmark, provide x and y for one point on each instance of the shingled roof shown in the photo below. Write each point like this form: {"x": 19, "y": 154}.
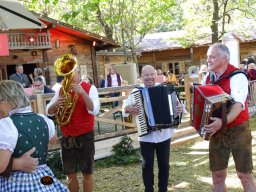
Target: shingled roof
{"x": 165, "y": 41}
{"x": 159, "y": 41}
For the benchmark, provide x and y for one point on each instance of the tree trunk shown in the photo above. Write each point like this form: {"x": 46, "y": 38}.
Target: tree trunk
{"x": 135, "y": 60}
{"x": 215, "y": 19}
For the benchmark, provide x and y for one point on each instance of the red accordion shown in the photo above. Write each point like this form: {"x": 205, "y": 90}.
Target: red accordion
{"x": 207, "y": 101}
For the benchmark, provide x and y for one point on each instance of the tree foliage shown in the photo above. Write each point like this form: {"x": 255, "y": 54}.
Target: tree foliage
{"x": 121, "y": 20}
{"x": 217, "y": 17}
{"x": 128, "y": 21}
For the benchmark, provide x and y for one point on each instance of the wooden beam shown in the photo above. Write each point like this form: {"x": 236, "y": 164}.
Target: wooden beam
{"x": 115, "y": 122}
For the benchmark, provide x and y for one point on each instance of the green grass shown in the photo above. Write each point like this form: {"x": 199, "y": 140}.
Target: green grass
{"x": 189, "y": 171}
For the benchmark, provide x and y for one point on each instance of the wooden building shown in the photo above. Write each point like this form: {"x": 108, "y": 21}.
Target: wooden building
{"x": 161, "y": 52}
{"x": 41, "y": 47}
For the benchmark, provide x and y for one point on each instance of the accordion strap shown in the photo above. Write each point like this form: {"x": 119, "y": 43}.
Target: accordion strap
{"x": 212, "y": 80}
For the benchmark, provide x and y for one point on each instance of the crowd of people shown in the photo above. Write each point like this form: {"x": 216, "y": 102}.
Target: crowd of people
{"x": 250, "y": 70}
{"x": 25, "y": 135}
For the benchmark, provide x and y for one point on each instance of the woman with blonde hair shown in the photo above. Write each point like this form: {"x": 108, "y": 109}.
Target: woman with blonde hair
{"x": 21, "y": 130}
{"x": 38, "y": 72}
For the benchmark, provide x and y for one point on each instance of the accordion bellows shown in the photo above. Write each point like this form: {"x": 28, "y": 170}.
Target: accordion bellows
{"x": 157, "y": 108}
{"x": 207, "y": 101}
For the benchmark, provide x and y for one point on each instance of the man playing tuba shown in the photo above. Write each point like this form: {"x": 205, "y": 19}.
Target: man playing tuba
{"x": 77, "y": 143}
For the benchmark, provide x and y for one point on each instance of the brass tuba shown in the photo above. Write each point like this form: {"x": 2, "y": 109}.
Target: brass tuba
{"x": 65, "y": 66}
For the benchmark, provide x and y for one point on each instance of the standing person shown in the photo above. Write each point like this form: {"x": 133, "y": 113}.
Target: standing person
{"x": 77, "y": 144}
{"x": 20, "y": 77}
{"x": 113, "y": 80}
{"x": 236, "y": 137}
{"x": 158, "y": 140}
{"x": 21, "y": 130}
{"x": 38, "y": 72}
{"x": 251, "y": 72}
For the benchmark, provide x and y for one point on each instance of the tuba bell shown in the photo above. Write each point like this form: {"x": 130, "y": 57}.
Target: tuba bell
{"x": 65, "y": 66}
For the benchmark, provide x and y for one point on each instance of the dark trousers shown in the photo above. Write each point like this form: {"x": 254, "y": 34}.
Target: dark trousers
{"x": 163, "y": 155}
{"x": 115, "y": 95}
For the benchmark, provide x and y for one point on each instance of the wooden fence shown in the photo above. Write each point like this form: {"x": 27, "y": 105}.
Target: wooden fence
{"x": 108, "y": 112}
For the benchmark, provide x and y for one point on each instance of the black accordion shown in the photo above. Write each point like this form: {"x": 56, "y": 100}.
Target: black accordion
{"x": 157, "y": 108}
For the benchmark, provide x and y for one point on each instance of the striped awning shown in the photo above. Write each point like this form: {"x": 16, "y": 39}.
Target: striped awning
{"x": 13, "y": 15}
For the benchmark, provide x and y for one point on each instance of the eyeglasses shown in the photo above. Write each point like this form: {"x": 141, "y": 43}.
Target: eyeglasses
{"x": 34, "y": 85}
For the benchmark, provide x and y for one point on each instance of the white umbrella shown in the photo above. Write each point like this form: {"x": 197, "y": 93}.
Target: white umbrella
{"x": 13, "y": 15}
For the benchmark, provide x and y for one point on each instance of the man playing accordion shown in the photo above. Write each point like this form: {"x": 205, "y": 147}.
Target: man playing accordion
{"x": 158, "y": 140}
{"x": 236, "y": 136}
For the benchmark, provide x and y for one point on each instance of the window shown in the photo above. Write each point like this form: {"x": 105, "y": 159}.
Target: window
{"x": 174, "y": 68}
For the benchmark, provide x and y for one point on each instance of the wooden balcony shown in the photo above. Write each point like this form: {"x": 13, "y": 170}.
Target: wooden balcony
{"x": 29, "y": 41}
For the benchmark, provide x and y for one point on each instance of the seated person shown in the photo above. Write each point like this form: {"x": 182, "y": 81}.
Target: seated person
{"x": 171, "y": 78}
{"x": 39, "y": 87}
{"x": 160, "y": 78}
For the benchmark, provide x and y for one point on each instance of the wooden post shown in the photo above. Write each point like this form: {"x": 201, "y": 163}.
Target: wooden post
{"x": 40, "y": 103}
{"x": 188, "y": 81}
{"x": 187, "y": 92}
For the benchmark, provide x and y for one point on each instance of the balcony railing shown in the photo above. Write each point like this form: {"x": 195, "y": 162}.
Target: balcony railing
{"x": 29, "y": 41}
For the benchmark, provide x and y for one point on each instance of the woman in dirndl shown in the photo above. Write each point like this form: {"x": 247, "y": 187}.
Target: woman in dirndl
{"x": 21, "y": 130}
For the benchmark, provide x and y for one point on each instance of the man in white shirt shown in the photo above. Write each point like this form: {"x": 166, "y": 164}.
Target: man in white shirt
{"x": 158, "y": 140}
{"x": 235, "y": 137}
{"x": 113, "y": 80}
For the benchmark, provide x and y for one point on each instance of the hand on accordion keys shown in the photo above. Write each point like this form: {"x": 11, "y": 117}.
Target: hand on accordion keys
{"x": 213, "y": 127}
{"x": 132, "y": 109}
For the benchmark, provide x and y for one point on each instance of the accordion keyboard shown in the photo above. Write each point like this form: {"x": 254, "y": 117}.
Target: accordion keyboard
{"x": 140, "y": 118}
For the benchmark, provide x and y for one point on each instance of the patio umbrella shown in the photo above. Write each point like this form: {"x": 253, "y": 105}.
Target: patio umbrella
{"x": 13, "y": 15}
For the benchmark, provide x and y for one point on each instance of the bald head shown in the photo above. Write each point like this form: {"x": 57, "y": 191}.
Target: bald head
{"x": 148, "y": 75}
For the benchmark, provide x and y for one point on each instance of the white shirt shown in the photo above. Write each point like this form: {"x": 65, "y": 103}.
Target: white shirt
{"x": 9, "y": 133}
{"x": 43, "y": 78}
{"x": 56, "y": 87}
{"x": 238, "y": 87}
{"x": 153, "y": 137}
{"x": 93, "y": 94}
{"x": 114, "y": 80}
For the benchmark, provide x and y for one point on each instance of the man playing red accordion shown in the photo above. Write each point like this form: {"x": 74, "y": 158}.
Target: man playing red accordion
{"x": 236, "y": 136}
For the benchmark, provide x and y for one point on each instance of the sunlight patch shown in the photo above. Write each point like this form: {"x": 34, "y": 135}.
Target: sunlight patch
{"x": 182, "y": 185}
{"x": 179, "y": 164}
{"x": 201, "y": 163}
{"x": 201, "y": 145}
{"x": 198, "y": 152}
{"x": 231, "y": 181}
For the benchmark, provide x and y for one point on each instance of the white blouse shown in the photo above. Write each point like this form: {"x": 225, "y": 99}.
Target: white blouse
{"x": 9, "y": 133}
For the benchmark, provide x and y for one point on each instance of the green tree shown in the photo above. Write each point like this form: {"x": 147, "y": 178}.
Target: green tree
{"x": 121, "y": 20}
{"x": 217, "y": 17}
